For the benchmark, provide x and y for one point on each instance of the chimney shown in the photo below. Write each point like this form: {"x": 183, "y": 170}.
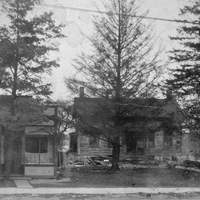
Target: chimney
{"x": 81, "y": 92}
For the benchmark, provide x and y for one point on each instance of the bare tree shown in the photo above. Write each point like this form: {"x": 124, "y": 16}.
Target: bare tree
{"x": 123, "y": 65}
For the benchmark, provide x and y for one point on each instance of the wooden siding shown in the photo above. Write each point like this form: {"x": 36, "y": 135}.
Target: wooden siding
{"x": 160, "y": 148}
{"x": 102, "y": 149}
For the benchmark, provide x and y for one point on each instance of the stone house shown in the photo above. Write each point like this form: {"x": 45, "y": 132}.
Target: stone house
{"x": 34, "y": 150}
{"x": 152, "y": 129}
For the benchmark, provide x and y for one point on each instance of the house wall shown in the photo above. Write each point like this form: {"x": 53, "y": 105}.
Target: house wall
{"x": 103, "y": 149}
{"x": 159, "y": 144}
{"x": 190, "y": 146}
{"x": 163, "y": 147}
{"x": 85, "y": 149}
{"x": 166, "y": 145}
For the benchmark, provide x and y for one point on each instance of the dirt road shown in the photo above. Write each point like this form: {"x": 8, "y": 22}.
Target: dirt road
{"x": 102, "y": 197}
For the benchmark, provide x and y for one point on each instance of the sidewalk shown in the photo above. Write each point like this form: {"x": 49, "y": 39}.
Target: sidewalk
{"x": 8, "y": 191}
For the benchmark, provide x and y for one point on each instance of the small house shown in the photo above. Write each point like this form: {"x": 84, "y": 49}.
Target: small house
{"x": 34, "y": 150}
{"x": 152, "y": 128}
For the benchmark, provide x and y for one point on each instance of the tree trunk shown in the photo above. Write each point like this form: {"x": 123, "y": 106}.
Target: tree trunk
{"x": 115, "y": 154}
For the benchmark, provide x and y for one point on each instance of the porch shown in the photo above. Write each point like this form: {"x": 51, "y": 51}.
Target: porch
{"x": 33, "y": 154}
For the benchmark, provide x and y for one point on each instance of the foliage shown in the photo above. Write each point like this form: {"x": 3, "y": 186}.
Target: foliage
{"x": 122, "y": 60}
{"x": 123, "y": 65}
{"x": 65, "y": 118}
{"x": 26, "y": 43}
{"x": 186, "y": 76}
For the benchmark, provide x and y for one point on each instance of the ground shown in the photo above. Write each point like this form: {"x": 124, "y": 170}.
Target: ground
{"x": 126, "y": 178}
{"x": 85, "y": 177}
{"x": 6, "y": 183}
{"x": 102, "y": 197}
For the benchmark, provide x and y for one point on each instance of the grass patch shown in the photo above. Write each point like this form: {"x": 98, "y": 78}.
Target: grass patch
{"x": 84, "y": 177}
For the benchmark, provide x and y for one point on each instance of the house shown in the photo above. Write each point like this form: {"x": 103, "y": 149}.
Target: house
{"x": 152, "y": 128}
{"x": 34, "y": 150}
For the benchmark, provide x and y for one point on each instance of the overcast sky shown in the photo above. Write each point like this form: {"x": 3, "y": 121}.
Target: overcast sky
{"x": 79, "y": 23}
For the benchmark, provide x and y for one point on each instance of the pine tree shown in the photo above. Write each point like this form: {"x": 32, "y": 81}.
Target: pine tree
{"x": 122, "y": 66}
{"x": 186, "y": 75}
{"x": 26, "y": 42}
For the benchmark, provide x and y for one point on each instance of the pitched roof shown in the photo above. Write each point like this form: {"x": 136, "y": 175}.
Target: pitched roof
{"x": 95, "y": 108}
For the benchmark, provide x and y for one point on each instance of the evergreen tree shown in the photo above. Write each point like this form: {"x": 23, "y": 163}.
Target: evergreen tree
{"x": 26, "y": 42}
{"x": 122, "y": 66}
{"x": 186, "y": 75}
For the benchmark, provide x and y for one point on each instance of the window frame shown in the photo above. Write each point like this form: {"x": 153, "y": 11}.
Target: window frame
{"x": 38, "y": 152}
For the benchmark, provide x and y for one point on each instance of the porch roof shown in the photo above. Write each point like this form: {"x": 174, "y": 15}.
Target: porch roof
{"x": 39, "y": 130}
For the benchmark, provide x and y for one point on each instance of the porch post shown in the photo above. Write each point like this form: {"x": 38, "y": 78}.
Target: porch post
{"x": 2, "y": 149}
{"x": 23, "y": 150}
{"x": 55, "y": 156}
{"x": 78, "y": 143}
{"x": 1, "y": 152}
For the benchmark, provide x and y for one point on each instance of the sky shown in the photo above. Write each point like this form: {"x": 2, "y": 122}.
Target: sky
{"x": 79, "y": 25}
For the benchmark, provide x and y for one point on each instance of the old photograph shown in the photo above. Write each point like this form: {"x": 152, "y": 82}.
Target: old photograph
{"x": 99, "y": 99}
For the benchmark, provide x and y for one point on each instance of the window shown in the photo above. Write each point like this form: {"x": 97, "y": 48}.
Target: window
{"x": 37, "y": 144}
{"x": 93, "y": 141}
{"x": 73, "y": 142}
{"x": 38, "y": 150}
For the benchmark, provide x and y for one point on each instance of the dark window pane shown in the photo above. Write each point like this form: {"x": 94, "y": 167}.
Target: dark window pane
{"x": 43, "y": 144}
{"x": 37, "y": 144}
{"x": 32, "y": 145}
{"x": 73, "y": 142}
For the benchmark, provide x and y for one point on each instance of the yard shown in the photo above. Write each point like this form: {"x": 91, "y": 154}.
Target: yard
{"x": 84, "y": 177}
{"x": 149, "y": 177}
